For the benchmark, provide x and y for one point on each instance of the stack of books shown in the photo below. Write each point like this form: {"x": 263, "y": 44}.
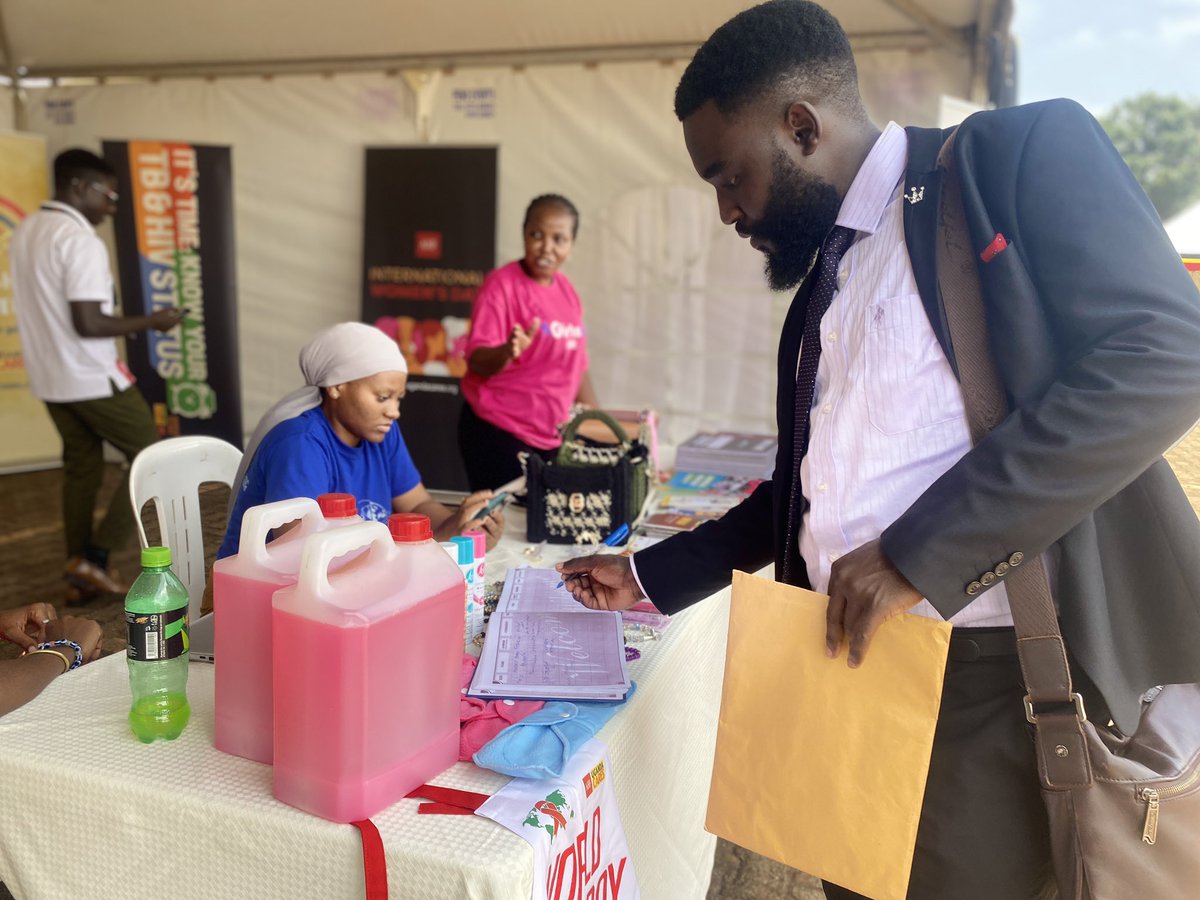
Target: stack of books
{"x": 728, "y": 453}
{"x": 689, "y": 499}
{"x": 665, "y": 522}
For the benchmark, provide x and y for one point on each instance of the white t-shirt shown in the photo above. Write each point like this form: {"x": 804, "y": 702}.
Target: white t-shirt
{"x": 57, "y": 259}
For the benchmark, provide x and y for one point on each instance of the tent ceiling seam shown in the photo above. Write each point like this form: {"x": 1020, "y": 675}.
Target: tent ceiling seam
{"x": 873, "y": 41}
{"x": 956, "y": 39}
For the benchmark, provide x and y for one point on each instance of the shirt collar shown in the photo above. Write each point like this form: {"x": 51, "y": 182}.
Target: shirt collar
{"x": 69, "y": 210}
{"x": 875, "y": 184}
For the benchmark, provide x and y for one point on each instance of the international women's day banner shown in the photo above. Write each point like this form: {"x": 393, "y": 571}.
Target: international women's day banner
{"x": 175, "y": 248}
{"x": 29, "y": 435}
{"x": 430, "y": 238}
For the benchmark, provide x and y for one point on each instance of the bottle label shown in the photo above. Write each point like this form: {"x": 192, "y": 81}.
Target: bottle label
{"x": 157, "y": 635}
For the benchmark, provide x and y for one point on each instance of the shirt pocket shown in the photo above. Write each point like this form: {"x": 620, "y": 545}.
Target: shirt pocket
{"x": 908, "y": 381}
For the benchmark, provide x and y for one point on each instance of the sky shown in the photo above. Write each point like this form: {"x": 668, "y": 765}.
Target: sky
{"x": 1101, "y": 52}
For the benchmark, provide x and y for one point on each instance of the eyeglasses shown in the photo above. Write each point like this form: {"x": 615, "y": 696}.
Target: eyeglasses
{"x": 103, "y": 190}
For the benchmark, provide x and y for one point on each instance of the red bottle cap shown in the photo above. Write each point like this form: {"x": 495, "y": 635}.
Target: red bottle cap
{"x": 409, "y": 528}
{"x": 337, "y": 506}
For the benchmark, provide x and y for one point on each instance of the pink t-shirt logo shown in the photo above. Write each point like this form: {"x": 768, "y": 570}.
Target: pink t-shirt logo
{"x": 564, "y": 330}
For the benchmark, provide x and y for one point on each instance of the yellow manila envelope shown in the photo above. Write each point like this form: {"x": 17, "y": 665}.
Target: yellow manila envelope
{"x": 820, "y": 766}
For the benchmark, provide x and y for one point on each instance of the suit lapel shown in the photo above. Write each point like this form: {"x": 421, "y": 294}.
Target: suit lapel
{"x": 922, "y": 203}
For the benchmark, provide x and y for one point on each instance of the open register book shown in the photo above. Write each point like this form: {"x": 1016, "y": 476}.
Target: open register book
{"x": 542, "y": 645}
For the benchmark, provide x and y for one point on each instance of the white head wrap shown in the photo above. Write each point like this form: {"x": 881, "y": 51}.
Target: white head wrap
{"x": 342, "y": 353}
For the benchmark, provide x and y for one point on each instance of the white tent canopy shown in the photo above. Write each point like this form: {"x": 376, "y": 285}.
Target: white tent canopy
{"x": 1184, "y": 230}
{"x": 676, "y": 310}
{"x": 85, "y": 38}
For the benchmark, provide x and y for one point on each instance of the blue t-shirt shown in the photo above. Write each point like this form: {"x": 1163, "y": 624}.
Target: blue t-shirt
{"x": 302, "y": 457}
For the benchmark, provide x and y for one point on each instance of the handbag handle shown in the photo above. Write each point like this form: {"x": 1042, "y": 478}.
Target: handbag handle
{"x": 1040, "y": 646}
{"x": 572, "y": 429}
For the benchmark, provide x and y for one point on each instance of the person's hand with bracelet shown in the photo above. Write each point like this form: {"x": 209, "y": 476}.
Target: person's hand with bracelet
{"x": 25, "y": 626}
{"x": 63, "y": 635}
{"x": 24, "y": 678}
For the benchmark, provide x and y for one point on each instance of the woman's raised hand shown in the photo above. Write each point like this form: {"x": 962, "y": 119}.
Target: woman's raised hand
{"x": 520, "y": 338}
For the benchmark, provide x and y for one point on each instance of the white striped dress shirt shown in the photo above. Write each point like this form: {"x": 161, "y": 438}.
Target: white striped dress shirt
{"x": 887, "y": 415}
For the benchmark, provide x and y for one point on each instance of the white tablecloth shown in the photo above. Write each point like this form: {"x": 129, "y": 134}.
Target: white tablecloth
{"x": 88, "y": 811}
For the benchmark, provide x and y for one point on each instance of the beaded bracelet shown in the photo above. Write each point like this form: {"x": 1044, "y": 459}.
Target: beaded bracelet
{"x": 50, "y": 645}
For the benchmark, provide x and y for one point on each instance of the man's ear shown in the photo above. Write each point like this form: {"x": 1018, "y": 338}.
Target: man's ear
{"x": 804, "y": 123}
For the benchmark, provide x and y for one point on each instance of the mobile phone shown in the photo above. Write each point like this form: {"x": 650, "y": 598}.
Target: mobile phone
{"x": 498, "y": 500}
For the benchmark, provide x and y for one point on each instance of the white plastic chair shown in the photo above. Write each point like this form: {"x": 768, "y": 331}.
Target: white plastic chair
{"x": 170, "y": 473}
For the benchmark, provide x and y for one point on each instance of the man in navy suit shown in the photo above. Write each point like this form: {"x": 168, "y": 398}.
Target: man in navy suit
{"x": 878, "y": 497}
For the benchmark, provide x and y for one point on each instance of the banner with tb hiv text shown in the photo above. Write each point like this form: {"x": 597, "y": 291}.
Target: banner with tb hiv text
{"x": 175, "y": 248}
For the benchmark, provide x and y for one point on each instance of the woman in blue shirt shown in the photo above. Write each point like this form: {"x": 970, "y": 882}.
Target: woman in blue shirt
{"x": 339, "y": 434}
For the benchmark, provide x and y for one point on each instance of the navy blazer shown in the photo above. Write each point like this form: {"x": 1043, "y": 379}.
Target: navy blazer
{"x": 1094, "y": 327}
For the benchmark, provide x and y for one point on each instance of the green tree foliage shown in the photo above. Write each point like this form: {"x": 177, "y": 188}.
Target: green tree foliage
{"x": 1159, "y": 137}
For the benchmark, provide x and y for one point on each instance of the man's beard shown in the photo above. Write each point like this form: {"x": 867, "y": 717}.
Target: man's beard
{"x": 801, "y": 210}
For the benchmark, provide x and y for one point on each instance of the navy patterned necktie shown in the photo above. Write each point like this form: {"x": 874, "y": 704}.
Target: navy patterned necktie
{"x": 819, "y": 298}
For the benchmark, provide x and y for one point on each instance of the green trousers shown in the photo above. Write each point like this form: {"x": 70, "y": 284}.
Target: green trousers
{"x": 124, "y": 420}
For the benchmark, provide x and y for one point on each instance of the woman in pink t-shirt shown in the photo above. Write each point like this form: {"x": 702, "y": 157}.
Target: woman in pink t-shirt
{"x": 527, "y": 359}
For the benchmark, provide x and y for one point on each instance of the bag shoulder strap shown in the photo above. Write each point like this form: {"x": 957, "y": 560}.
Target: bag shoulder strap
{"x": 569, "y": 434}
{"x": 1039, "y": 641}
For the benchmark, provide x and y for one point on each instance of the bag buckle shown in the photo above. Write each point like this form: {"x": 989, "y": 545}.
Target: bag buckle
{"x": 1077, "y": 699}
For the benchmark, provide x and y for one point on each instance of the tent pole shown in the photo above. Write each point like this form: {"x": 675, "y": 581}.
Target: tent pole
{"x": 13, "y": 74}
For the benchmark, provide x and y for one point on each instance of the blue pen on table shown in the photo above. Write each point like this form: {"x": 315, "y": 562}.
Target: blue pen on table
{"x": 617, "y": 537}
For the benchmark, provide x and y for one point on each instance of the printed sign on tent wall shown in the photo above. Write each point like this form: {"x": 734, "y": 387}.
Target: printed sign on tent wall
{"x": 29, "y": 435}
{"x": 429, "y": 239}
{"x": 175, "y": 248}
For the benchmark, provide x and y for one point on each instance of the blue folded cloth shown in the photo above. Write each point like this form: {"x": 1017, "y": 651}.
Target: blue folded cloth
{"x": 540, "y": 744}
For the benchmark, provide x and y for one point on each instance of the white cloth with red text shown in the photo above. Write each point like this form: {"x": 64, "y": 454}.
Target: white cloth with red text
{"x": 573, "y": 825}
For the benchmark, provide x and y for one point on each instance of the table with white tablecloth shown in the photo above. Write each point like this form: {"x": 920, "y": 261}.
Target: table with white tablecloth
{"x": 88, "y": 811}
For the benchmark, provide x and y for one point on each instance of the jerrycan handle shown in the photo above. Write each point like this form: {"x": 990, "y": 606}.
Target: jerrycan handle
{"x": 322, "y": 549}
{"x": 258, "y": 521}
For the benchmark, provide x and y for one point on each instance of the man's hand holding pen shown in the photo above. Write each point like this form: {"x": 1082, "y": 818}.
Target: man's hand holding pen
{"x": 601, "y": 582}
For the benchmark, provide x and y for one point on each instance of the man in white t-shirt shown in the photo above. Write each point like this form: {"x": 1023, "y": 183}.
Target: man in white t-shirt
{"x": 63, "y": 298}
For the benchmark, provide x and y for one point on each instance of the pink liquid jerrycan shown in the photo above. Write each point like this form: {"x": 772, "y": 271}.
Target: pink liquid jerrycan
{"x": 242, "y": 589}
{"x": 367, "y": 660}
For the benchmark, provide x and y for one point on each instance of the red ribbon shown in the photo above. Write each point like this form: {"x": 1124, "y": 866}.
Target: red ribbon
{"x": 374, "y": 860}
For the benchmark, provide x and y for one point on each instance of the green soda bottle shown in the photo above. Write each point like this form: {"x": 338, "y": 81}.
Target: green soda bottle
{"x": 156, "y": 618}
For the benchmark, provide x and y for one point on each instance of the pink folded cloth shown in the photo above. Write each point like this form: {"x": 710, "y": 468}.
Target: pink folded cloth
{"x": 481, "y": 720}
